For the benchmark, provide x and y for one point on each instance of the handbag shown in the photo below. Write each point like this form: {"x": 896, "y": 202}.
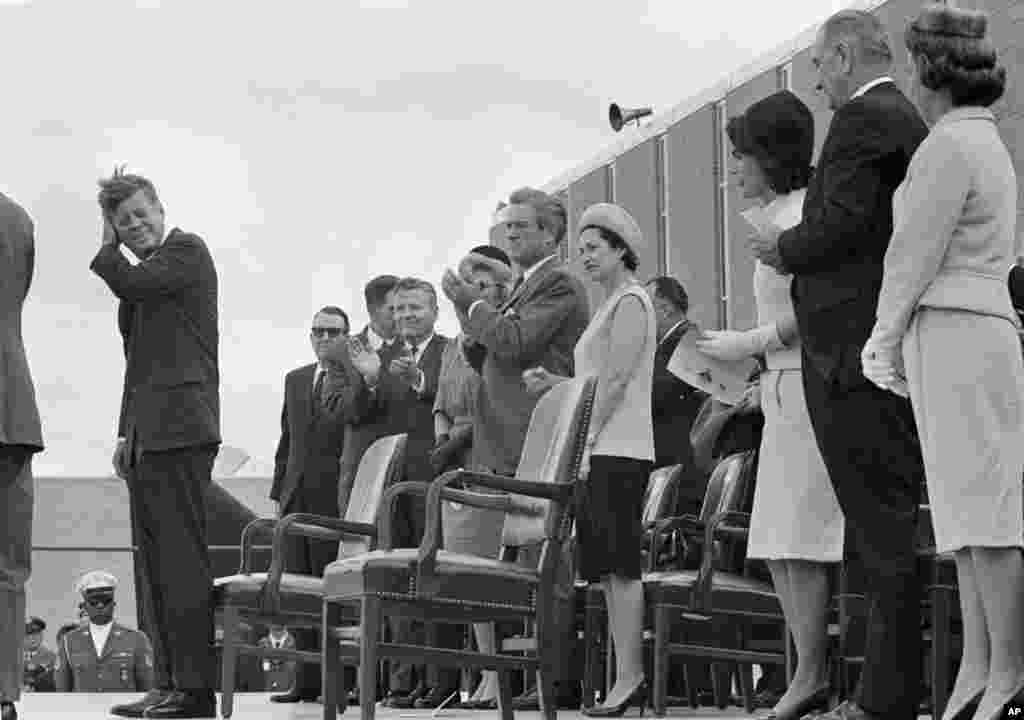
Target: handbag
{"x": 721, "y": 429}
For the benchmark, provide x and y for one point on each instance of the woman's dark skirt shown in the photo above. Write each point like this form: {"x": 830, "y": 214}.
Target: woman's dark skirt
{"x": 609, "y": 532}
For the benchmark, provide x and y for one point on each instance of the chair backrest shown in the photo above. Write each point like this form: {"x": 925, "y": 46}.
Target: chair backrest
{"x": 552, "y": 452}
{"x": 730, "y": 489}
{"x": 659, "y": 497}
{"x": 380, "y": 466}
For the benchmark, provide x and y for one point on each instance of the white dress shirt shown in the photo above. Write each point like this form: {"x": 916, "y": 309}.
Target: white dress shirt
{"x": 870, "y": 84}
{"x": 100, "y": 633}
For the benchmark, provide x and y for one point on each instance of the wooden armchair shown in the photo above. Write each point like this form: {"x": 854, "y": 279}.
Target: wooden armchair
{"x": 433, "y": 584}
{"x": 720, "y": 593}
{"x": 279, "y": 597}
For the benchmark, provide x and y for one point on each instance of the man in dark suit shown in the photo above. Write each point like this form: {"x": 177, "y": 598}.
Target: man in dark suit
{"x": 1016, "y": 285}
{"x": 20, "y": 438}
{"x": 168, "y": 434}
{"x": 867, "y": 435}
{"x": 401, "y": 396}
{"x": 538, "y": 326}
{"x": 379, "y": 336}
{"x": 674, "y": 404}
{"x": 318, "y": 404}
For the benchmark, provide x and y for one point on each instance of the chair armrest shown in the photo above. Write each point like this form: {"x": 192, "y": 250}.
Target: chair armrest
{"x": 304, "y": 525}
{"x": 249, "y": 534}
{"x": 387, "y": 508}
{"x": 487, "y": 501}
{"x": 687, "y": 524}
{"x": 426, "y": 575}
{"x": 730, "y": 523}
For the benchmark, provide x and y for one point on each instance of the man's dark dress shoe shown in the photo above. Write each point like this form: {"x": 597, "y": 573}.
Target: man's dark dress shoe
{"x": 847, "y": 710}
{"x": 432, "y": 699}
{"x": 8, "y": 711}
{"x": 403, "y": 701}
{"x": 138, "y": 708}
{"x": 294, "y": 696}
{"x": 181, "y": 704}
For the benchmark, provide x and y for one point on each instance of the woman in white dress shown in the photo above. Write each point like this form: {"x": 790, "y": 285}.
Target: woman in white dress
{"x": 618, "y": 349}
{"x": 796, "y": 525}
{"x": 945, "y": 335}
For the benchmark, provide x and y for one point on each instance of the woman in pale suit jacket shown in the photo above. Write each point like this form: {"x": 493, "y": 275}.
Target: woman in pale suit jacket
{"x": 796, "y": 525}
{"x": 946, "y": 335}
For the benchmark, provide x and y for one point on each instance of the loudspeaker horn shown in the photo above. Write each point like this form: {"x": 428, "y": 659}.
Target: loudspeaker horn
{"x": 618, "y": 117}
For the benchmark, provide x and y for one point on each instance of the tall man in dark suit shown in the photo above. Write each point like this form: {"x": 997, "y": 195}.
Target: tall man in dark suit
{"x": 20, "y": 438}
{"x": 401, "y": 396}
{"x": 867, "y": 435}
{"x": 1016, "y": 284}
{"x": 318, "y": 404}
{"x": 538, "y": 326}
{"x": 168, "y": 434}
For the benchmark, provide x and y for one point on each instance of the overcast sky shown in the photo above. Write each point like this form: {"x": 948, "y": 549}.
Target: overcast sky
{"x": 313, "y": 145}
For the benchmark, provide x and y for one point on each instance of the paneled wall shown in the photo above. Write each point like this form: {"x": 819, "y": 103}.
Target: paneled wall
{"x": 636, "y": 189}
{"x": 590, "y": 189}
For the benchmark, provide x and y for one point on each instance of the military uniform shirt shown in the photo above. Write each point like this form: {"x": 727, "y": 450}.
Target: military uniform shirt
{"x": 125, "y": 665}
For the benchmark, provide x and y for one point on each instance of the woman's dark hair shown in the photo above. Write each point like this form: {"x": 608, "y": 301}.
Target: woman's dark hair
{"x": 670, "y": 289}
{"x": 778, "y": 132}
{"x": 629, "y": 257}
{"x": 953, "y": 51}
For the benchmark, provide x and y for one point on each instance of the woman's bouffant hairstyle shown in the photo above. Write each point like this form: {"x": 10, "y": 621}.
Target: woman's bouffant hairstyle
{"x": 630, "y": 260}
{"x": 778, "y": 131}
{"x": 954, "y": 52}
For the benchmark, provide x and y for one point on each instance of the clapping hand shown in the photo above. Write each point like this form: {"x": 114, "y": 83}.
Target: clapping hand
{"x": 764, "y": 245}
{"x": 751, "y": 401}
{"x": 406, "y": 369}
{"x": 365, "y": 360}
{"x": 538, "y": 380}
{"x": 461, "y": 293}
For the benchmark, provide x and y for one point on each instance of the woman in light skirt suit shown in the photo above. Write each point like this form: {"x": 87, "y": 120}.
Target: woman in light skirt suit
{"x": 797, "y": 524}
{"x": 946, "y": 335}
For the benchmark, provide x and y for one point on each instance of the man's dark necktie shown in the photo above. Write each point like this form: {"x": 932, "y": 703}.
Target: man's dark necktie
{"x": 318, "y": 392}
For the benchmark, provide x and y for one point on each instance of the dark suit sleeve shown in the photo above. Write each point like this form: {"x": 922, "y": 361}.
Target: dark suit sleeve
{"x": 30, "y": 256}
{"x": 143, "y": 662}
{"x": 343, "y": 398}
{"x": 172, "y": 268}
{"x": 666, "y": 389}
{"x": 475, "y": 355}
{"x": 62, "y": 676}
{"x": 527, "y": 332}
{"x": 833, "y": 232}
{"x": 281, "y": 456}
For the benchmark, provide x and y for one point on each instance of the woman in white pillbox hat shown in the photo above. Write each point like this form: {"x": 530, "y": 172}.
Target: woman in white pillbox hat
{"x": 618, "y": 348}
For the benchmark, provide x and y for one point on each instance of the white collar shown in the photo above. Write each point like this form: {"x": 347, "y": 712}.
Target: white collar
{"x": 100, "y": 633}
{"x": 870, "y": 84}
{"x": 422, "y": 345}
{"x": 527, "y": 274}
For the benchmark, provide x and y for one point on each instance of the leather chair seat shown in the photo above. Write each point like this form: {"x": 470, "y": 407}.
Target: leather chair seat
{"x": 731, "y": 593}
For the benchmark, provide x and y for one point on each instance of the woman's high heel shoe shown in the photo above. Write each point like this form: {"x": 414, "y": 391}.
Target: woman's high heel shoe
{"x": 815, "y": 702}
{"x": 638, "y": 697}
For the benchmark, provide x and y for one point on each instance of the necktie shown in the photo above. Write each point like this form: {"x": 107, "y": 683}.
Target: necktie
{"x": 412, "y": 351}
{"x": 318, "y": 391}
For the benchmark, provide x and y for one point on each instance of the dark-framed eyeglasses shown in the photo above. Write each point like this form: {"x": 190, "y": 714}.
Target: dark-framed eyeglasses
{"x": 99, "y": 601}
{"x": 331, "y": 332}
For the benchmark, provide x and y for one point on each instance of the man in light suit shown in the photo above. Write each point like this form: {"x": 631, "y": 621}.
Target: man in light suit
{"x": 867, "y": 436}
{"x": 168, "y": 435}
{"x": 538, "y": 326}
{"x": 318, "y": 404}
{"x": 20, "y": 438}
{"x": 401, "y": 397}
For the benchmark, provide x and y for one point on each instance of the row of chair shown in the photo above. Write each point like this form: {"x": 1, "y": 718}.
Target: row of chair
{"x": 707, "y": 614}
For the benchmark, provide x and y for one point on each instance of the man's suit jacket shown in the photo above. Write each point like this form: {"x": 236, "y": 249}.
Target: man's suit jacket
{"x": 836, "y": 252}
{"x": 674, "y": 406}
{"x": 19, "y": 414}
{"x": 312, "y": 439}
{"x": 538, "y": 326}
{"x": 361, "y": 435}
{"x": 404, "y": 410}
{"x": 168, "y": 320}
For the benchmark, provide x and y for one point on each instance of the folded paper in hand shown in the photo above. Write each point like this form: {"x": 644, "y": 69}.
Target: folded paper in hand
{"x": 724, "y": 380}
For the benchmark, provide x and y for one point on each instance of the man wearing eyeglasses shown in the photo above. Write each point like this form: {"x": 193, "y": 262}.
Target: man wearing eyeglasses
{"x": 317, "y": 407}
{"x": 103, "y": 656}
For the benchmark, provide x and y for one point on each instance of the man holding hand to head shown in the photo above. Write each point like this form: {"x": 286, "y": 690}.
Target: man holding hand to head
{"x": 168, "y": 434}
